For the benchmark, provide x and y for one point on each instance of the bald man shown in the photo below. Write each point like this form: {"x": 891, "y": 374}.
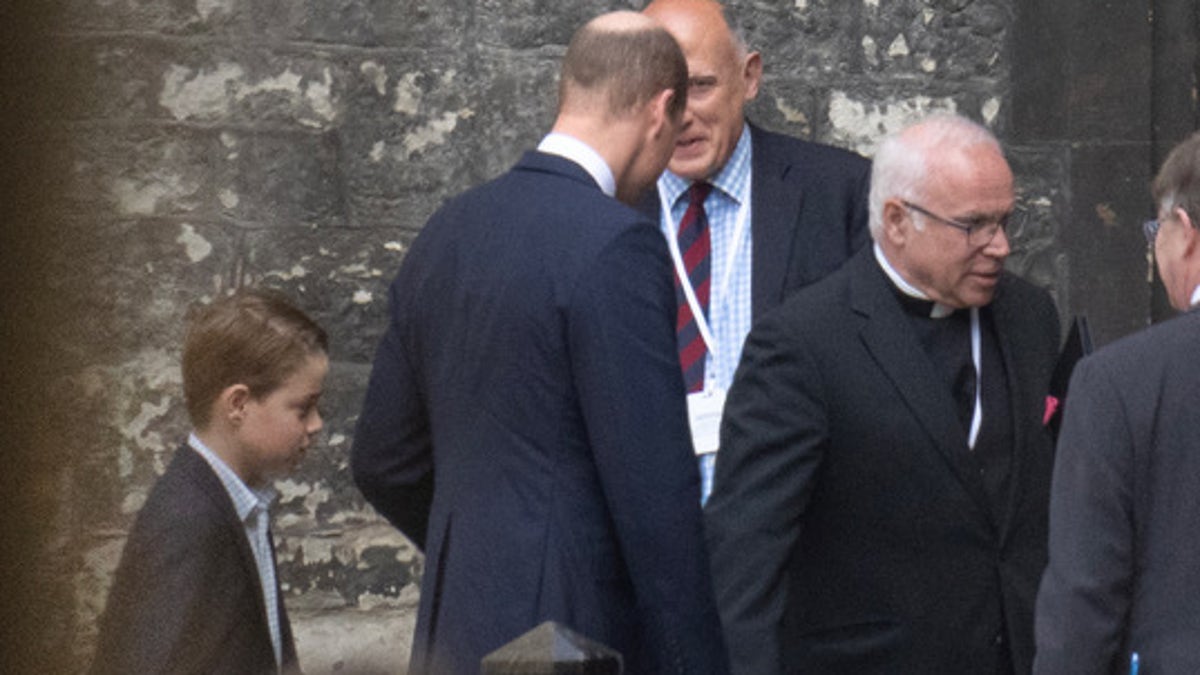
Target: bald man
{"x": 524, "y": 423}
{"x": 779, "y": 213}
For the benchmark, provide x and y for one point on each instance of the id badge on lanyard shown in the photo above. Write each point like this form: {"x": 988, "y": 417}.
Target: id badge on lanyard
{"x": 704, "y": 407}
{"x": 704, "y": 417}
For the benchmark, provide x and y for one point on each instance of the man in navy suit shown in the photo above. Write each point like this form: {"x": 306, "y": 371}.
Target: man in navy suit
{"x": 524, "y": 423}
{"x": 1124, "y": 572}
{"x": 781, "y": 212}
{"x": 881, "y": 492}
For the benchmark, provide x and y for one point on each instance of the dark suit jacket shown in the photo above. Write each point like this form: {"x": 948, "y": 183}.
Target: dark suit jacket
{"x": 809, "y": 205}
{"x": 849, "y": 529}
{"x": 186, "y": 597}
{"x": 1124, "y": 572}
{"x": 525, "y": 424}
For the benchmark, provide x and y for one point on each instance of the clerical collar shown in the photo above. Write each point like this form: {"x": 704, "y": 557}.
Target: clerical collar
{"x": 935, "y": 310}
{"x": 569, "y": 147}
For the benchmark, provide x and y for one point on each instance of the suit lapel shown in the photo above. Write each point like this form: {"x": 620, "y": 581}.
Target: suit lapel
{"x": 775, "y": 198}
{"x": 1005, "y": 314}
{"x": 212, "y": 487}
{"x": 887, "y": 336}
{"x": 288, "y": 644}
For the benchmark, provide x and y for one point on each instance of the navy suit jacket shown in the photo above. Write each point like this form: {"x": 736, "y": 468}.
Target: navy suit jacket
{"x": 810, "y": 213}
{"x": 1124, "y": 572}
{"x": 849, "y": 528}
{"x": 525, "y": 425}
{"x": 186, "y": 597}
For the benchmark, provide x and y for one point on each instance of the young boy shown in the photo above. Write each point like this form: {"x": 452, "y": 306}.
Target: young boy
{"x": 196, "y": 590}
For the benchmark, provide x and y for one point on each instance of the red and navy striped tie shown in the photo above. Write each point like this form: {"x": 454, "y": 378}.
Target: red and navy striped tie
{"x": 696, "y": 248}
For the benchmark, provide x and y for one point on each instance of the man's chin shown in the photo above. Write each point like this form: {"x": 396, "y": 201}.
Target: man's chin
{"x": 689, "y": 165}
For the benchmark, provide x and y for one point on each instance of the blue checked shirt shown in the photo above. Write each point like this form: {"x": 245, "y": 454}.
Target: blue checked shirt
{"x": 252, "y": 507}
{"x": 729, "y": 308}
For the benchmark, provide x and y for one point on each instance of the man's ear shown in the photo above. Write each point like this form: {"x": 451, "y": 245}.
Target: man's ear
{"x": 897, "y": 222}
{"x": 659, "y": 109}
{"x": 1191, "y": 236}
{"x": 752, "y": 71}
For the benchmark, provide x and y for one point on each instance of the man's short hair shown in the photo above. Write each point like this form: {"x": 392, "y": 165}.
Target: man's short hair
{"x": 900, "y": 167}
{"x": 737, "y": 31}
{"x": 627, "y": 67}
{"x": 253, "y": 337}
{"x": 1178, "y": 181}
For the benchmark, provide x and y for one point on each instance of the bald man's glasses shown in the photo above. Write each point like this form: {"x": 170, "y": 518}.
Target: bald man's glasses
{"x": 980, "y": 231}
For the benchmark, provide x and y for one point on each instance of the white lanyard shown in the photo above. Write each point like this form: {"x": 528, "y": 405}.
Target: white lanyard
{"x": 719, "y": 292}
{"x": 977, "y": 417}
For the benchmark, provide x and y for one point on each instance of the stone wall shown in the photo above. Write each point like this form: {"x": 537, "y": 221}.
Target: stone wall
{"x": 301, "y": 144}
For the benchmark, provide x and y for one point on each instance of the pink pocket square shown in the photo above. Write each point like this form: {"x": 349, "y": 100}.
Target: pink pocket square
{"x": 1052, "y": 404}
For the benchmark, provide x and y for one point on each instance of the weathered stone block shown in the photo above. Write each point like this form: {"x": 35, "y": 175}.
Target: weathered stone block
{"x": 384, "y": 189}
{"x": 1110, "y": 52}
{"x": 138, "y": 172}
{"x": 376, "y": 642}
{"x": 449, "y": 129}
{"x": 276, "y": 179}
{"x": 340, "y": 276}
{"x": 170, "y": 18}
{"x": 786, "y": 105}
{"x": 114, "y": 77}
{"x": 1038, "y": 255}
{"x": 942, "y": 40}
{"x": 1103, "y": 234}
{"x": 530, "y": 24}
{"x": 216, "y": 82}
{"x": 857, "y": 120}
{"x": 126, "y": 284}
{"x": 521, "y": 91}
{"x": 416, "y": 24}
{"x": 395, "y": 88}
{"x": 809, "y": 38}
{"x": 140, "y": 423}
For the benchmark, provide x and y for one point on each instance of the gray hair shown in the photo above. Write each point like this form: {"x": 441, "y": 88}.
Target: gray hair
{"x": 737, "y": 30}
{"x": 1178, "y": 181}
{"x": 901, "y": 164}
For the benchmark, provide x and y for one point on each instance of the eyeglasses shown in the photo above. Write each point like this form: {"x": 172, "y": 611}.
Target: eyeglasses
{"x": 980, "y": 231}
{"x": 1150, "y": 229}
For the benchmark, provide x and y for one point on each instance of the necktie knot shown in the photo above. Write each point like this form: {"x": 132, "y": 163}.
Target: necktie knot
{"x": 698, "y": 192}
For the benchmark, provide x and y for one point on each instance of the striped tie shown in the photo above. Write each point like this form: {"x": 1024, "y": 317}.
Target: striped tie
{"x": 695, "y": 246}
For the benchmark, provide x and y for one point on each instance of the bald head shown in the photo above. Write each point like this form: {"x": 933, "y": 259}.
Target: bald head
{"x": 706, "y": 18}
{"x": 941, "y": 200}
{"x": 722, "y": 77}
{"x": 619, "y": 61}
{"x": 907, "y": 161}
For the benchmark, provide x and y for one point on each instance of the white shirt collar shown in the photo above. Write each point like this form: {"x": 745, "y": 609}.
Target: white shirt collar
{"x": 569, "y": 147}
{"x": 1195, "y": 297}
{"x": 245, "y": 498}
{"x": 939, "y": 310}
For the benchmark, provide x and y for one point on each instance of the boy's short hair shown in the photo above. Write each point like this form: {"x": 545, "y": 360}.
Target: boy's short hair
{"x": 253, "y": 337}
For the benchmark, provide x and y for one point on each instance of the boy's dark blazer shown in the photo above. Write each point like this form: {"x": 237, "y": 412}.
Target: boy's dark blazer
{"x": 809, "y": 205}
{"x": 186, "y": 597}
{"x": 529, "y": 376}
{"x": 849, "y": 527}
